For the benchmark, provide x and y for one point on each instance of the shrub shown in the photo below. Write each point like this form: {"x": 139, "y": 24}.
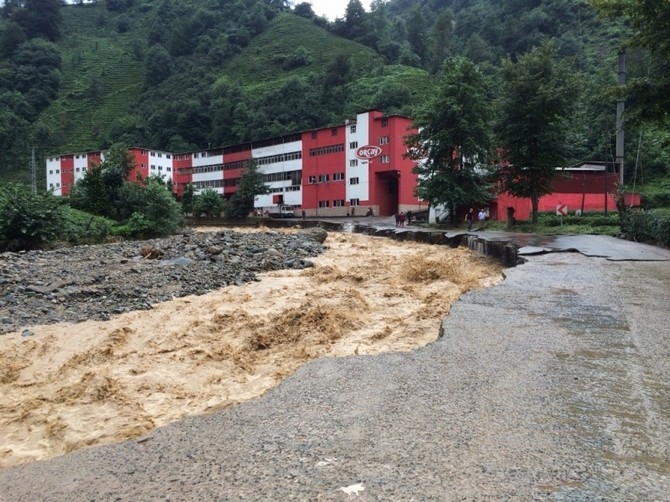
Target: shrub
{"x": 158, "y": 214}
{"x": 27, "y": 220}
{"x": 208, "y": 203}
{"x": 647, "y": 226}
{"x": 85, "y": 228}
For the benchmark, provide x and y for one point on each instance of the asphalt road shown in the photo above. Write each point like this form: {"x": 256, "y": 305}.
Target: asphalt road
{"x": 554, "y": 385}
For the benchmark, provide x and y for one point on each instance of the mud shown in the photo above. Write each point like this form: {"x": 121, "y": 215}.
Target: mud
{"x": 75, "y": 385}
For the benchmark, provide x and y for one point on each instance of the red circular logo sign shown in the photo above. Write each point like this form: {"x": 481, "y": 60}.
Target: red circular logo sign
{"x": 368, "y": 152}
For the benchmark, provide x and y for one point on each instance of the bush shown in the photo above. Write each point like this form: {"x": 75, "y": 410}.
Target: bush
{"x": 159, "y": 214}
{"x": 208, "y": 203}
{"x": 647, "y": 226}
{"x": 27, "y": 220}
{"x": 85, "y": 228}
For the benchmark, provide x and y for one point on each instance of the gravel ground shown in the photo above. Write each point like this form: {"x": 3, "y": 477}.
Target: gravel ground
{"x": 79, "y": 283}
{"x": 551, "y": 386}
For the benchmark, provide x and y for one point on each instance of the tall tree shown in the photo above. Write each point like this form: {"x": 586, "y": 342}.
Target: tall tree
{"x": 454, "y": 138}
{"x": 416, "y": 33}
{"x": 251, "y": 185}
{"x": 538, "y": 96}
{"x": 443, "y": 32}
{"x": 650, "y": 21}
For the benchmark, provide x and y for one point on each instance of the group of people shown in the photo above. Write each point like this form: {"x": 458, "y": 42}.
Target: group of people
{"x": 401, "y": 218}
{"x": 481, "y": 217}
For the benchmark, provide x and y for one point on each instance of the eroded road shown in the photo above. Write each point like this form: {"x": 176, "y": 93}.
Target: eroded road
{"x": 554, "y": 385}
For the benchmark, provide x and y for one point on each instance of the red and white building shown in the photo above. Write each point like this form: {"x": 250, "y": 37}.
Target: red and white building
{"x": 332, "y": 171}
{"x": 63, "y": 171}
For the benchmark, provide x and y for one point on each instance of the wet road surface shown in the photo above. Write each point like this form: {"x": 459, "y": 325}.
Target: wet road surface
{"x": 554, "y": 385}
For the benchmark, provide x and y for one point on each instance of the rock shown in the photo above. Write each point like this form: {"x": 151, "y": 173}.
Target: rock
{"x": 94, "y": 281}
{"x": 316, "y": 234}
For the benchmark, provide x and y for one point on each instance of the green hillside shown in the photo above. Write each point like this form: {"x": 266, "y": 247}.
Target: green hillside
{"x": 102, "y": 77}
{"x": 264, "y": 62}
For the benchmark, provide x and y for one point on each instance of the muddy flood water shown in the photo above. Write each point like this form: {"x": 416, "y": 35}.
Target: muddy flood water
{"x": 75, "y": 385}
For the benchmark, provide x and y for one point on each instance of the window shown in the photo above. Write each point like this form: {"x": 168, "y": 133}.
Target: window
{"x": 167, "y": 155}
{"x": 168, "y": 169}
{"x": 352, "y": 129}
{"x": 385, "y": 122}
{"x": 353, "y": 144}
{"x": 385, "y": 159}
{"x": 78, "y": 169}
{"x": 353, "y": 181}
{"x": 338, "y": 176}
{"x": 325, "y": 150}
{"x": 312, "y": 180}
{"x": 324, "y": 203}
{"x": 333, "y": 131}
{"x": 384, "y": 140}
{"x": 51, "y": 171}
{"x": 323, "y": 178}
{"x": 353, "y": 162}
{"x": 153, "y": 154}
{"x": 354, "y": 202}
{"x": 160, "y": 155}
{"x": 196, "y": 155}
{"x": 57, "y": 171}
{"x": 338, "y": 203}
{"x": 153, "y": 168}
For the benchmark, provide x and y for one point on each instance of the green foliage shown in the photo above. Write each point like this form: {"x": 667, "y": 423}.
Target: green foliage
{"x": 538, "y": 93}
{"x": 39, "y": 18}
{"x": 160, "y": 213}
{"x": 85, "y": 228}
{"x": 207, "y": 203}
{"x": 27, "y": 220}
{"x": 656, "y": 194}
{"x": 648, "y": 93}
{"x": 251, "y": 185}
{"x": 187, "y": 199}
{"x": 454, "y": 138}
{"x": 651, "y": 226}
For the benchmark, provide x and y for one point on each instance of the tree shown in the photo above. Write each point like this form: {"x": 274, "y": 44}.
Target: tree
{"x": 650, "y": 21}
{"x": 207, "y": 202}
{"x": 443, "y": 32}
{"x": 538, "y": 97}
{"x": 453, "y": 138}
{"x": 28, "y": 220}
{"x": 416, "y": 33}
{"x": 251, "y": 185}
{"x": 187, "y": 199}
{"x": 40, "y": 18}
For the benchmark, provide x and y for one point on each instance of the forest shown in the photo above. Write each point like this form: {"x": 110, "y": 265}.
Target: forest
{"x": 182, "y": 75}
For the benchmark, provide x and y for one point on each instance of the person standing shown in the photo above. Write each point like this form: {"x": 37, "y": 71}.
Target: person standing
{"x": 469, "y": 218}
{"x": 482, "y": 219}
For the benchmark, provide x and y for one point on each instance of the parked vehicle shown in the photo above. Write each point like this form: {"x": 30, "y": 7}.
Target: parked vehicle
{"x": 282, "y": 211}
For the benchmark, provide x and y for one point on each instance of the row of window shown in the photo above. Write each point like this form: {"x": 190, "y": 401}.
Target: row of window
{"x": 325, "y": 150}
{"x": 294, "y": 176}
{"x": 283, "y": 157}
{"x": 324, "y": 178}
{"x": 338, "y": 203}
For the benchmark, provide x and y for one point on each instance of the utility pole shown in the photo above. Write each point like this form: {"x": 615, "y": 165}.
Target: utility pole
{"x": 620, "y": 106}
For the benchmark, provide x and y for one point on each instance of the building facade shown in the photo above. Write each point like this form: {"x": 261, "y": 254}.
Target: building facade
{"x": 352, "y": 168}
{"x": 63, "y": 171}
